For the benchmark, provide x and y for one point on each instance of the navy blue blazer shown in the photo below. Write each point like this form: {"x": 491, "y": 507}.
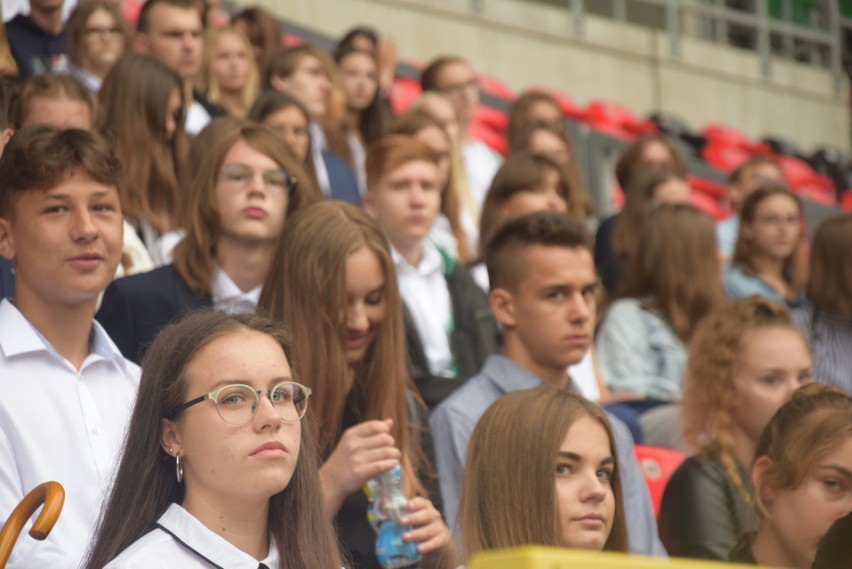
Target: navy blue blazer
{"x": 341, "y": 177}
{"x": 134, "y": 308}
{"x": 7, "y": 279}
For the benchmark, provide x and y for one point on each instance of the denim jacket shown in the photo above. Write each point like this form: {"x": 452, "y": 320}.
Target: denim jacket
{"x": 638, "y": 351}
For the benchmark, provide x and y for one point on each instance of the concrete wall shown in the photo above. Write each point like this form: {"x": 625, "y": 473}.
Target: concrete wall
{"x": 527, "y": 44}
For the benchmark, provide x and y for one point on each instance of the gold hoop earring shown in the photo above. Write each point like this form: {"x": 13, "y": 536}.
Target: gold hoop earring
{"x": 178, "y": 469}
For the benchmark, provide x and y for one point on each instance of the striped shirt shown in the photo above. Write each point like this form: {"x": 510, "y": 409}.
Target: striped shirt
{"x": 830, "y": 338}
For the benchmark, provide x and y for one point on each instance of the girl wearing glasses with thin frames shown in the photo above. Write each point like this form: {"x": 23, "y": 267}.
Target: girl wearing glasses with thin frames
{"x": 246, "y": 185}
{"x": 333, "y": 282}
{"x": 217, "y": 470}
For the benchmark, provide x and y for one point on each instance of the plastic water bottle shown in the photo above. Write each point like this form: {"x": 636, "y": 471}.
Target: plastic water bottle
{"x": 387, "y": 506}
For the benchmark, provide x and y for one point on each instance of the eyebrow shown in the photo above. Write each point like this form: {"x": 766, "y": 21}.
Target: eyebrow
{"x": 577, "y": 458}
{"x": 67, "y": 197}
{"x": 233, "y": 381}
{"x": 840, "y": 469}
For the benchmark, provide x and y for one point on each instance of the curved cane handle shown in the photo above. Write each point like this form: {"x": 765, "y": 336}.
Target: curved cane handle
{"x": 52, "y": 495}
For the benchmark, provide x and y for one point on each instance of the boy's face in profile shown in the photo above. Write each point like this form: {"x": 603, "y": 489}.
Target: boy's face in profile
{"x": 66, "y": 242}
{"x": 406, "y": 201}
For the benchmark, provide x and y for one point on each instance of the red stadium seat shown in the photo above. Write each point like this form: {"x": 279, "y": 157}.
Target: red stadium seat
{"x": 601, "y": 113}
{"x": 706, "y": 202}
{"x": 730, "y": 136}
{"x": 403, "y": 93}
{"x": 657, "y": 465}
{"x": 718, "y": 191}
{"x": 495, "y": 87}
{"x": 724, "y": 156}
{"x": 846, "y": 200}
{"x": 482, "y": 132}
{"x": 289, "y": 40}
{"x": 494, "y": 119}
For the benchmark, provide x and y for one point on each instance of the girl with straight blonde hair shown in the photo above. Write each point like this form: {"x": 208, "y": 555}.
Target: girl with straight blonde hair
{"x": 553, "y": 482}
{"x": 746, "y": 360}
{"x": 672, "y": 283}
{"x": 333, "y": 281}
{"x": 229, "y": 74}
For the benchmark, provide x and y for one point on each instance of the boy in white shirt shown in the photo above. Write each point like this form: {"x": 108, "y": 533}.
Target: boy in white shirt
{"x": 449, "y": 327}
{"x": 67, "y": 391}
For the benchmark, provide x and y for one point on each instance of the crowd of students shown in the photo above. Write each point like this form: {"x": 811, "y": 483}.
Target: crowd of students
{"x": 253, "y": 226}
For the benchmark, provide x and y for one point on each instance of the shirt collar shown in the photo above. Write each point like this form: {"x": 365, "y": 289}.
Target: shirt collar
{"x": 200, "y": 541}
{"x": 18, "y": 336}
{"x": 432, "y": 261}
{"x": 224, "y": 289}
{"x": 509, "y": 376}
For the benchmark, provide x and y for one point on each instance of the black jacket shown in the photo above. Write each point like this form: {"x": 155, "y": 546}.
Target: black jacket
{"x": 474, "y": 336}
{"x": 134, "y": 308}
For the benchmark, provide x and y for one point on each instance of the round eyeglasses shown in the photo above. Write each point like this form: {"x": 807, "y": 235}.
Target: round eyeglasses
{"x": 237, "y": 404}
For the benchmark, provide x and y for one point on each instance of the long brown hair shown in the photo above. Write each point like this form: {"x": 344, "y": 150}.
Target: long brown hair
{"x": 194, "y": 256}
{"x": 709, "y": 391}
{"x": 512, "y": 503}
{"x": 816, "y": 421}
{"x": 411, "y": 123}
{"x": 134, "y": 102}
{"x": 297, "y": 522}
{"x": 639, "y": 200}
{"x": 793, "y": 271}
{"x": 306, "y": 287}
{"x": 675, "y": 269}
{"x": 830, "y": 282}
{"x": 76, "y": 26}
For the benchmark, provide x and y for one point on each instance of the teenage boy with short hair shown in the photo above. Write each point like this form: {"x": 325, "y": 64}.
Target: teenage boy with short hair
{"x": 543, "y": 287}
{"x": 67, "y": 391}
{"x": 449, "y": 327}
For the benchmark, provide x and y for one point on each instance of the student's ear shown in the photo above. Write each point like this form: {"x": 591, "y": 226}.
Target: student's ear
{"x": 169, "y": 439}
{"x": 6, "y": 135}
{"x": 761, "y": 465}
{"x": 140, "y": 43}
{"x": 278, "y": 83}
{"x": 7, "y": 241}
{"x": 502, "y": 306}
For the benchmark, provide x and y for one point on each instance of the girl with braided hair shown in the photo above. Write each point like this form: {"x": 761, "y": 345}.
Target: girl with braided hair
{"x": 745, "y": 362}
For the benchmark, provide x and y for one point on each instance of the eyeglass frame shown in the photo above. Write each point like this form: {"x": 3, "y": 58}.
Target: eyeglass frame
{"x": 214, "y": 395}
{"x": 289, "y": 179}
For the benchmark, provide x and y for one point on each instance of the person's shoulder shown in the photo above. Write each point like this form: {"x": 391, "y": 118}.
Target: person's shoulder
{"x": 148, "y": 282}
{"x": 626, "y": 307}
{"x": 469, "y": 400}
{"x": 154, "y": 549}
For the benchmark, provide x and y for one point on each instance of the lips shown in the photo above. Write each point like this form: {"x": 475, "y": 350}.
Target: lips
{"x": 353, "y": 342}
{"x": 86, "y": 261}
{"x": 592, "y": 521}
{"x": 273, "y": 449}
{"x": 255, "y": 213}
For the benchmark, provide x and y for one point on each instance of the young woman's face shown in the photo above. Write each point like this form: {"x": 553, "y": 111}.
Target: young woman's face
{"x": 585, "y": 502}
{"x": 657, "y": 154}
{"x": 673, "y": 191}
{"x": 549, "y": 143}
{"x": 365, "y": 302}
{"x": 103, "y": 43}
{"x": 292, "y": 125}
{"x": 231, "y": 62}
{"x": 799, "y": 517}
{"x": 227, "y": 464}
{"x": 442, "y": 111}
{"x": 774, "y": 231}
{"x": 360, "y": 77}
{"x": 545, "y": 112}
{"x": 771, "y": 363}
{"x": 437, "y": 141}
{"x": 545, "y": 196}
{"x": 251, "y": 207}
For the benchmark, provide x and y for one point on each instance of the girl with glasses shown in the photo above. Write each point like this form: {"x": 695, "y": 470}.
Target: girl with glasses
{"x": 246, "y": 185}
{"x": 217, "y": 469}
{"x": 97, "y": 38}
{"x": 334, "y": 283}
{"x": 562, "y": 453}
{"x": 768, "y": 259}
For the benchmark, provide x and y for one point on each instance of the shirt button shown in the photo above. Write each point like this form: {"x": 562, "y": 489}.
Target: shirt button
{"x": 96, "y": 430}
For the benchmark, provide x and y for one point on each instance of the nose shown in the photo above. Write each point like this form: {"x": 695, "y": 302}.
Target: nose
{"x": 580, "y": 311}
{"x": 266, "y": 415}
{"x": 555, "y": 201}
{"x": 83, "y": 229}
{"x": 593, "y": 489}
{"x": 257, "y": 186}
{"x": 356, "y": 319}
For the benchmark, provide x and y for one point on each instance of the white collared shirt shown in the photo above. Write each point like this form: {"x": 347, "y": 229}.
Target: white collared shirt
{"x": 180, "y": 541}
{"x": 196, "y": 119}
{"x": 58, "y": 423}
{"x": 228, "y": 297}
{"x": 318, "y": 144}
{"x": 424, "y": 290}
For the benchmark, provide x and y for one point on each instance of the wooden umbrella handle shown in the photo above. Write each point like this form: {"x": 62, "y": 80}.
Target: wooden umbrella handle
{"x": 52, "y": 495}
